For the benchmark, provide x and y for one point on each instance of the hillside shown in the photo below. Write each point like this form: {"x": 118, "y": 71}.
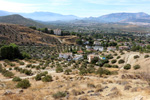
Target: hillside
{"x": 117, "y": 17}
{"x": 22, "y": 35}
{"x": 17, "y": 19}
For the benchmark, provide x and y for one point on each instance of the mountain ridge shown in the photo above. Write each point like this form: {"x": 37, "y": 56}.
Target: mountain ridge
{"x": 18, "y": 19}
{"x": 122, "y": 17}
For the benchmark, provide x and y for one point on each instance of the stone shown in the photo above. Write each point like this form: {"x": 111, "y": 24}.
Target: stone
{"x": 138, "y": 98}
{"x": 8, "y": 92}
{"x": 127, "y": 87}
{"x": 136, "y": 89}
{"x": 90, "y": 91}
{"x": 20, "y": 91}
{"x": 114, "y": 94}
{"x": 114, "y": 89}
{"x": 95, "y": 94}
{"x": 106, "y": 87}
{"x": 124, "y": 83}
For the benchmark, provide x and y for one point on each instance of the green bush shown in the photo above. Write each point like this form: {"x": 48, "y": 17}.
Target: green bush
{"x": 24, "y": 84}
{"x": 29, "y": 65}
{"x": 11, "y": 64}
{"x": 107, "y": 65}
{"x": 16, "y": 79}
{"x": 118, "y": 57}
{"x": 26, "y": 55}
{"x": 83, "y": 71}
{"x": 115, "y": 66}
{"x": 102, "y": 71}
{"x": 21, "y": 63}
{"x": 109, "y": 56}
{"x": 59, "y": 95}
{"x": 59, "y": 69}
{"x": 39, "y": 76}
{"x": 91, "y": 70}
{"x": 121, "y": 61}
{"x": 136, "y": 56}
{"x": 137, "y": 67}
{"x": 47, "y": 78}
{"x": 94, "y": 60}
{"x": 67, "y": 71}
{"x": 28, "y": 72}
{"x": 146, "y": 56}
{"x": 113, "y": 61}
{"x": 10, "y": 52}
{"x": 6, "y": 73}
{"x": 10, "y": 68}
{"x": 127, "y": 67}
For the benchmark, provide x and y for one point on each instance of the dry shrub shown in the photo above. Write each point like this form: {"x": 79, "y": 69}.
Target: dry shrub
{"x": 145, "y": 75}
{"x": 90, "y": 85}
{"x": 57, "y": 78}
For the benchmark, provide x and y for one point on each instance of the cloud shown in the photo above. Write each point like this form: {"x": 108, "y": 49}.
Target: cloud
{"x": 119, "y": 2}
{"x": 17, "y": 7}
{"x": 60, "y": 2}
{"x": 31, "y": 6}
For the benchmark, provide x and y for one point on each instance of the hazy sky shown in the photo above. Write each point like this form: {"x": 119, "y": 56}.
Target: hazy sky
{"x": 82, "y": 8}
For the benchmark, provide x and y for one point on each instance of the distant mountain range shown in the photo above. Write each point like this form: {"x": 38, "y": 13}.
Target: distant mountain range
{"x": 33, "y": 19}
{"x": 42, "y": 16}
{"x": 122, "y": 17}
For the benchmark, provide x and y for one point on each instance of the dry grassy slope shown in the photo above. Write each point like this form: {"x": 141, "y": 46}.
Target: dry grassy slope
{"x": 67, "y": 39}
{"x": 24, "y": 36}
{"x": 128, "y": 57}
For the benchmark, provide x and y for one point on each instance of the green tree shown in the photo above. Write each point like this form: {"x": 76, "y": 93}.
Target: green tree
{"x": 94, "y": 60}
{"x": 10, "y": 52}
{"x": 47, "y": 78}
{"x": 24, "y": 84}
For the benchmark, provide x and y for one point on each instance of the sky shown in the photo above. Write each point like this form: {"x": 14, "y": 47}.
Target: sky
{"x": 81, "y": 8}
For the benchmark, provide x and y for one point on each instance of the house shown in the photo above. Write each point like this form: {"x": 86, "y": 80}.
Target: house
{"x": 86, "y": 42}
{"x": 91, "y": 56}
{"x": 78, "y": 57}
{"x": 67, "y": 56}
{"x": 88, "y": 47}
{"x": 98, "y": 48}
{"x": 80, "y": 52}
{"x": 103, "y": 58}
{"x": 97, "y": 43}
{"x": 124, "y": 48}
{"x": 111, "y": 48}
{"x": 57, "y": 31}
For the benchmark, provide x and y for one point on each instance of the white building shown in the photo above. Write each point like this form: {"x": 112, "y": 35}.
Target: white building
{"x": 98, "y": 48}
{"x": 57, "y": 32}
{"x": 97, "y": 43}
{"x": 91, "y": 56}
{"x": 78, "y": 57}
{"x": 65, "y": 55}
{"x": 88, "y": 47}
{"x": 111, "y": 48}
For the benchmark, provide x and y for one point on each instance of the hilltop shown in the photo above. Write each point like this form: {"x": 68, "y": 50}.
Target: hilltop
{"x": 18, "y": 19}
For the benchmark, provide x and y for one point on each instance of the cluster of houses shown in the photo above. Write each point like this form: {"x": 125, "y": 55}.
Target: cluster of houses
{"x": 91, "y": 56}
{"x": 76, "y": 57}
{"x": 69, "y": 56}
{"x": 57, "y": 31}
{"x": 112, "y": 48}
